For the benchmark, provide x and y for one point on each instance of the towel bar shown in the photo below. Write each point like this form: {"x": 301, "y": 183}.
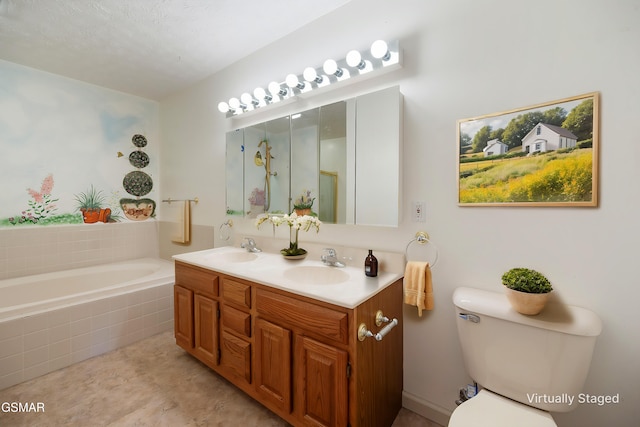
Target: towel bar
{"x": 169, "y": 200}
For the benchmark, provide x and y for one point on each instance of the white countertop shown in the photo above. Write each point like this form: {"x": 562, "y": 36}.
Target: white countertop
{"x": 348, "y": 286}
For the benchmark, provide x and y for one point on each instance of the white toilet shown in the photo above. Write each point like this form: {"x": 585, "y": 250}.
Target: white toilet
{"x": 526, "y": 365}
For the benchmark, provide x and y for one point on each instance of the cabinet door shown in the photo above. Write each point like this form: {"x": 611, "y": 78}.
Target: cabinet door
{"x": 273, "y": 364}
{"x": 183, "y": 317}
{"x": 206, "y": 329}
{"x": 235, "y": 357}
{"x": 321, "y": 383}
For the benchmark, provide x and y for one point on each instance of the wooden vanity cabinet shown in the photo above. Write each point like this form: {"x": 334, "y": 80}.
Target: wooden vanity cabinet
{"x": 196, "y": 312}
{"x": 298, "y": 356}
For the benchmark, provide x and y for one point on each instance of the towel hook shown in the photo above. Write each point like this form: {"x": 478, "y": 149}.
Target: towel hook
{"x": 422, "y": 238}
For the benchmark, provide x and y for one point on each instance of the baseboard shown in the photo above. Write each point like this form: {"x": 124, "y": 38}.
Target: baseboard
{"x": 426, "y": 409}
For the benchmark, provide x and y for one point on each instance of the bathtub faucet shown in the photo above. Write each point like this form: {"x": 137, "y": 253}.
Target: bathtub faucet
{"x": 250, "y": 245}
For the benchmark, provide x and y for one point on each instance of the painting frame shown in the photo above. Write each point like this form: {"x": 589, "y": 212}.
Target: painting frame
{"x": 529, "y": 162}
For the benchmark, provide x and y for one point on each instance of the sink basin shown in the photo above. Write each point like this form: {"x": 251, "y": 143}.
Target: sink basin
{"x": 313, "y": 275}
{"x": 232, "y": 257}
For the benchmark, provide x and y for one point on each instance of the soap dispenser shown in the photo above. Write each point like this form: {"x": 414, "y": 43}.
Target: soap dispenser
{"x": 371, "y": 265}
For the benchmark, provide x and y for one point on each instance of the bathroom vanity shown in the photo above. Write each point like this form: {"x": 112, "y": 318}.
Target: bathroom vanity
{"x": 286, "y": 333}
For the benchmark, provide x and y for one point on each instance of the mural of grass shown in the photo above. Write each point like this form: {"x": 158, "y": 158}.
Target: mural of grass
{"x": 553, "y": 177}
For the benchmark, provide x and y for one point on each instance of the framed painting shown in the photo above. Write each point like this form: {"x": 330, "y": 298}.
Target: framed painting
{"x": 541, "y": 155}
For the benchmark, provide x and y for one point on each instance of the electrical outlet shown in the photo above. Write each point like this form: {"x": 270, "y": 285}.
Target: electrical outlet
{"x": 418, "y": 212}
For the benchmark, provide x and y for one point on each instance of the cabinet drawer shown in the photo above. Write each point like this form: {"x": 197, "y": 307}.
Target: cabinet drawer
{"x": 196, "y": 279}
{"x": 319, "y": 320}
{"x": 236, "y": 321}
{"x": 236, "y": 292}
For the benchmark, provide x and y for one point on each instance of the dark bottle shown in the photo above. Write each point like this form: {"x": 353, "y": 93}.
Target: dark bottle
{"x": 371, "y": 265}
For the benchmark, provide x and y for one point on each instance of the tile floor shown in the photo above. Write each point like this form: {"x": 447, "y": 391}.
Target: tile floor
{"x": 149, "y": 383}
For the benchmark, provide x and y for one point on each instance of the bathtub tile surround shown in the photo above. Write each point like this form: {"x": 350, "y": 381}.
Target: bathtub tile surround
{"x": 41, "y": 249}
{"x": 34, "y": 345}
{"x": 152, "y": 382}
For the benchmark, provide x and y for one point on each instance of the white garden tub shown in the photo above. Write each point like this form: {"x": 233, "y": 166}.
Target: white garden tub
{"x": 48, "y": 321}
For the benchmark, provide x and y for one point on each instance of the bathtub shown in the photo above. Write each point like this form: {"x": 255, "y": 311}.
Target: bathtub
{"x": 49, "y": 321}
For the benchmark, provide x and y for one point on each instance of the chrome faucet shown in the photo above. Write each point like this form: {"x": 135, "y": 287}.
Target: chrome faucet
{"x": 330, "y": 258}
{"x": 250, "y": 245}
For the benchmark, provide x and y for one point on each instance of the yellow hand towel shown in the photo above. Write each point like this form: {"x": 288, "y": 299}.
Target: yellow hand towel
{"x": 418, "y": 290}
{"x": 183, "y": 228}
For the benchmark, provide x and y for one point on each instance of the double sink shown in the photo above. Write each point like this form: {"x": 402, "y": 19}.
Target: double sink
{"x": 346, "y": 287}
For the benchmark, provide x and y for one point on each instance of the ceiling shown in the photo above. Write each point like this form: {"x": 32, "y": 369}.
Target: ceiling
{"x": 149, "y": 48}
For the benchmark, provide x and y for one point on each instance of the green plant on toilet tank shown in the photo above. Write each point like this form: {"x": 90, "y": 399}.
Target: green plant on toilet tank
{"x": 527, "y": 290}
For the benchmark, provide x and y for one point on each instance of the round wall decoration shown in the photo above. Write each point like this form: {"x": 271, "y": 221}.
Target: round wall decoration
{"x": 139, "y": 159}
{"x": 137, "y": 183}
{"x": 139, "y": 140}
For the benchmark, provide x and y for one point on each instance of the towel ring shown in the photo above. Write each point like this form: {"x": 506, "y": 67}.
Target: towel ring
{"x": 422, "y": 238}
{"x": 225, "y": 230}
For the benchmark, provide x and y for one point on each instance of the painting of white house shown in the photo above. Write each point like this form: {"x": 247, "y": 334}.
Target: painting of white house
{"x": 543, "y": 155}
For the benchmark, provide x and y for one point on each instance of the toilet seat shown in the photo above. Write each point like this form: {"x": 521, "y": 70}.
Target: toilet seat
{"x": 488, "y": 409}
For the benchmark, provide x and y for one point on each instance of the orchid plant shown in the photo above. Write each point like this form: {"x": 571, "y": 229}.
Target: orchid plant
{"x": 295, "y": 223}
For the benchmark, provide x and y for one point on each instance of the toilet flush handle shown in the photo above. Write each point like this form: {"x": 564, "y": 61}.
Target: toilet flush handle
{"x": 471, "y": 317}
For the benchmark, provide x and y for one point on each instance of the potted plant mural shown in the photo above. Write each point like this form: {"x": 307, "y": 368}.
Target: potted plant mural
{"x": 138, "y": 183}
{"x": 302, "y": 205}
{"x": 256, "y": 201}
{"x": 527, "y": 290}
{"x": 90, "y": 205}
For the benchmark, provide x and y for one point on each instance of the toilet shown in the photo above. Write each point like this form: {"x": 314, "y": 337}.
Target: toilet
{"x": 526, "y": 366}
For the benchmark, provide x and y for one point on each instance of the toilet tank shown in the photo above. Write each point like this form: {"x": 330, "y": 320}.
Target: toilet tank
{"x": 541, "y": 361}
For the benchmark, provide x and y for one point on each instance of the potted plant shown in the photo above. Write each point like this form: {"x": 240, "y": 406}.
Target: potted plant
{"x": 90, "y": 204}
{"x": 302, "y": 205}
{"x": 295, "y": 223}
{"x": 527, "y": 290}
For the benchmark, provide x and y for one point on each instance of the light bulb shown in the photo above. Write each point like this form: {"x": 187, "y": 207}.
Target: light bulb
{"x": 235, "y": 103}
{"x": 380, "y": 50}
{"x": 276, "y": 89}
{"x": 330, "y": 67}
{"x": 261, "y": 94}
{"x": 311, "y": 75}
{"x": 354, "y": 59}
{"x": 247, "y": 99}
{"x": 292, "y": 81}
{"x": 223, "y": 107}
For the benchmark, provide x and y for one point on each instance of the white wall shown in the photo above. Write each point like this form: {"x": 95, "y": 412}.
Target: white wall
{"x": 464, "y": 59}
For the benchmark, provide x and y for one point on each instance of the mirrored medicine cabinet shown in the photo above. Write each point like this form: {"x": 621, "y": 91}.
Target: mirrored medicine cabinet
{"x": 342, "y": 159}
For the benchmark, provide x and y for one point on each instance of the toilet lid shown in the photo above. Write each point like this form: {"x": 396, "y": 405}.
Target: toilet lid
{"x": 488, "y": 409}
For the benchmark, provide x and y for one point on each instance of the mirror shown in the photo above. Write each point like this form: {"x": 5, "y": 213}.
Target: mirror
{"x": 341, "y": 160}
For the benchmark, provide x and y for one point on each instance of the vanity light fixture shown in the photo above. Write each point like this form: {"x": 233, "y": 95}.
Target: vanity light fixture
{"x": 381, "y": 55}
